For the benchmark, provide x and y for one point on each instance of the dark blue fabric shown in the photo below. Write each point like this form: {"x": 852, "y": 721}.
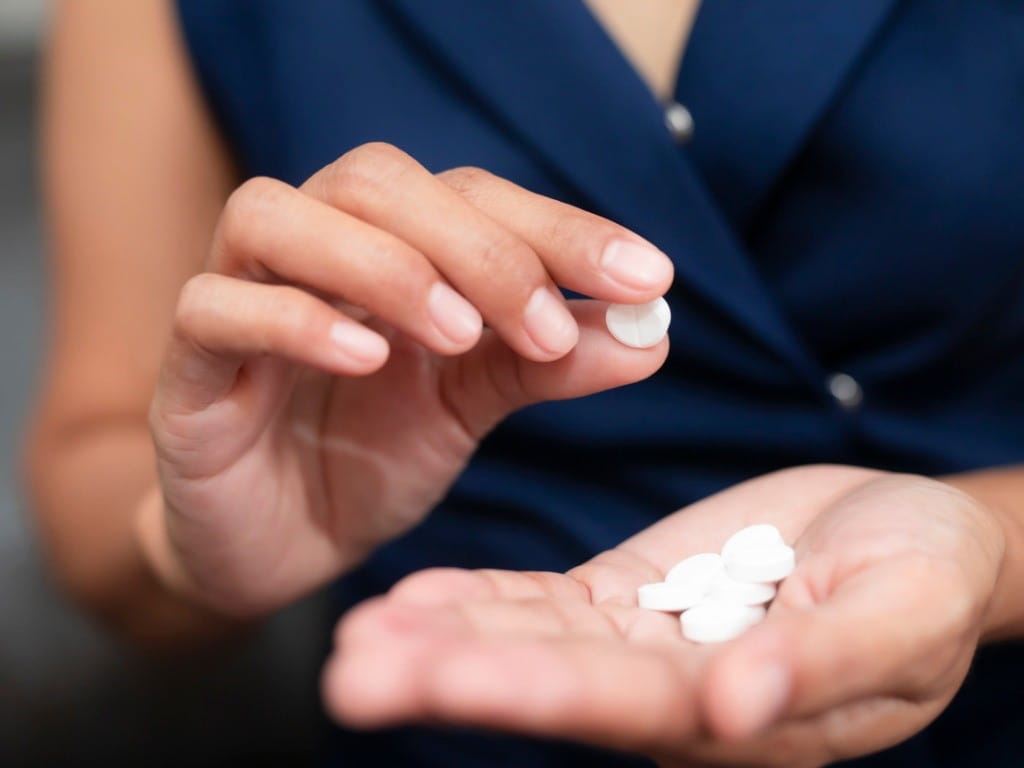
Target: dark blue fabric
{"x": 850, "y": 202}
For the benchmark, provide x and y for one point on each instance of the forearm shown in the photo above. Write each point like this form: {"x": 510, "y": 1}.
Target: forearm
{"x": 87, "y": 486}
{"x": 1001, "y": 492}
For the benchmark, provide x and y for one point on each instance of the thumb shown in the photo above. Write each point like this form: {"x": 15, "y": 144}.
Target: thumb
{"x": 887, "y": 629}
{"x": 492, "y": 381}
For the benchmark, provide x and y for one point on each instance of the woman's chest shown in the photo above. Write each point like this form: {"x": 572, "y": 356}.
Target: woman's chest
{"x": 651, "y": 34}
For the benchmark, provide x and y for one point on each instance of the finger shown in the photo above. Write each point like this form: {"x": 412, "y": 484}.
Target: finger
{"x": 220, "y": 322}
{"x": 870, "y": 725}
{"x": 842, "y": 733}
{"x": 536, "y": 617}
{"x": 491, "y": 266}
{"x": 583, "y": 252}
{"x": 479, "y": 619}
{"x": 270, "y": 231}
{"x": 578, "y": 590}
{"x": 599, "y": 692}
{"x": 892, "y": 629}
{"x": 486, "y": 385}
{"x": 440, "y": 586}
{"x": 791, "y": 744}
{"x": 603, "y": 692}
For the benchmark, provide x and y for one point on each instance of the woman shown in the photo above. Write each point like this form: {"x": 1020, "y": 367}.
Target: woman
{"x": 347, "y": 341}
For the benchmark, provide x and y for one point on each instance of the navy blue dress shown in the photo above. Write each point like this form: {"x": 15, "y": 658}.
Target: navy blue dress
{"x": 850, "y": 202}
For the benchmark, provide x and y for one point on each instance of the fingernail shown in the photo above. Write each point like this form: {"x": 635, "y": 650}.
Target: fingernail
{"x": 358, "y": 342}
{"x": 636, "y": 266}
{"x": 455, "y": 317}
{"x": 768, "y": 687}
{"x": 549, "y": 323}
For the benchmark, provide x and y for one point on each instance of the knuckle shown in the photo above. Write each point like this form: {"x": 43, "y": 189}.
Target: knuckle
{"x": 193, "y": 302}
{"x": 290, "y": 313}
{"x": 469, "y": 181}
{"x": 568, "y": 231}
{"x": 502, "y": 249}
{"x": 380, "y": 152}
{"x": 361, "y": 622}
{"x": 580, "y": 238}
{"x": 429, "y": 584}
{"x": 247, "y": 210}
{"x": 368, "y": 167}
{"x": 399, "y": 264}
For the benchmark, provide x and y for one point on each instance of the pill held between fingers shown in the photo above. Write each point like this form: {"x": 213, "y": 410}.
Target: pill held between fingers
{"x": 697, "y": 569}
{"x": 760, "y": 564}
{"x": 727, "y": 589}
{"x": 760, "y": 535}
{"x": 661, "y": 596}
{"x": 639, "y": 325}
{"x": 714, "y": 621}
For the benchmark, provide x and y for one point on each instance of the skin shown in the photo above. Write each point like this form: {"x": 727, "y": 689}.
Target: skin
{"x": 651, "y": 34}
{"x": 865, "y": 643}
{"x": 134, "y": 178}
{"x": 293, "y": 440}
{"x": 285, "y": 378}
{"x": 210, "y": 317}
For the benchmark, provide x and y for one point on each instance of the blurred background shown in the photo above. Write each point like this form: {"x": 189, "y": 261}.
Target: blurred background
{"x": 69, "y": 695}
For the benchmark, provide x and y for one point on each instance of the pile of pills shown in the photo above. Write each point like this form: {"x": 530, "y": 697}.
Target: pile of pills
{"x": 639, "y": 325}
{"x": 721, "y": 596}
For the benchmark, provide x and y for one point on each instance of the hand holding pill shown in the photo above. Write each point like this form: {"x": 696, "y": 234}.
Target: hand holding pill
{"x": 862, "y": 644}
{"x": 375, "y": 322}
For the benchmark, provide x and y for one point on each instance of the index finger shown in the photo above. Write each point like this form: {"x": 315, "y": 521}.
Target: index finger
{"x": 582, "y": 251}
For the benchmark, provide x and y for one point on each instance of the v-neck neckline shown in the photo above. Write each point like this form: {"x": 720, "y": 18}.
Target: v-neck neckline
{"x": 658, "y": 69}
{"x": 548, "y": 73}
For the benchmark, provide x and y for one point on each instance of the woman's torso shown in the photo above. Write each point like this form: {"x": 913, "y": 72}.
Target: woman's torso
{"x": 848, "y": 203}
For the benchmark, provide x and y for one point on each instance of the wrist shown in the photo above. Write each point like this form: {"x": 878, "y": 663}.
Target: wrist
{"x": 159, "y": 552}
{"x": 1000, "y": 528}
{"x": 161, "y": 611}
{"x": 1004, "y": 616}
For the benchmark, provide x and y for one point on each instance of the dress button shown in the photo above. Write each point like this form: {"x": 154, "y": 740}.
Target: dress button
{"x": 679, "y": 122}
{"x": 845, "y": 390}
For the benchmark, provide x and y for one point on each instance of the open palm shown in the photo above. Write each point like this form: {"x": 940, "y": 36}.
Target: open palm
{"x": 864, "y": 645}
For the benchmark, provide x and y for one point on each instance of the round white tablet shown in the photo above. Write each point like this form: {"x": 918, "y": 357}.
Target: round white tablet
{"x": 661, "y": 596}
{"x": 729, "y": 590}
{"x": 760, "y": 535}
{"x": 699, "y": 570}
{"x": 760, "y": 564}
{"x": 639, "y": 325}
{"x": 715, "y": 621}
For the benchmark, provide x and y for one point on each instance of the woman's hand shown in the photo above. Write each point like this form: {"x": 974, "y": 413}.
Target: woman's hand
{"x": 865, "y": 644}
{"x": 330, "y": 375}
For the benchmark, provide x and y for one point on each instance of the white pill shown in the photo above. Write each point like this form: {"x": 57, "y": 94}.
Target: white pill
{"x": 729, "y": 590}
{"x": 761, "y": 535}
{"x": 715, "y": 621}
{"x": 661, "y": 596}
{"x": 760, "y": 564}
{"x": 700, "y": 569}
{"x": 639, "y": 325}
